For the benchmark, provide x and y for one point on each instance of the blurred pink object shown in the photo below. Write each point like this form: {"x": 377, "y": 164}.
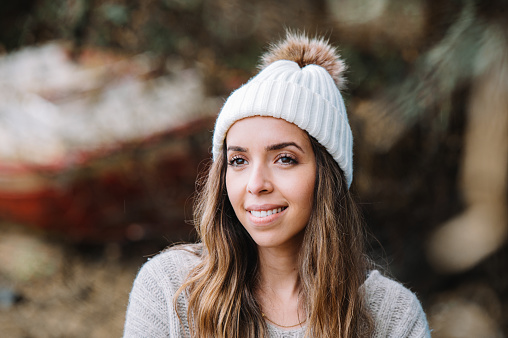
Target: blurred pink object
{"x": 97, "y": 148}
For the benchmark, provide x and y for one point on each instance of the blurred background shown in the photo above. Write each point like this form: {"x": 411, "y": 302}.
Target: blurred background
{"x": 106, "y": 113}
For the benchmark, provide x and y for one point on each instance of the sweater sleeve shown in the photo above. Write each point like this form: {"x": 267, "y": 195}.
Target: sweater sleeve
{"x": 151, "y": 311}
{"x": 396, "y": 310}
{"x": 148, "y": 307}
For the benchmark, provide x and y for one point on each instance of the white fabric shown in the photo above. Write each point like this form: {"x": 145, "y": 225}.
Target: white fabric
{"x": 307, "y": 97}
{"x": 396, "y": 310}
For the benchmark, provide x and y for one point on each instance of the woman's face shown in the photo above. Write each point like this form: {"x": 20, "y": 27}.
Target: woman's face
{"x": 270, "y": 179}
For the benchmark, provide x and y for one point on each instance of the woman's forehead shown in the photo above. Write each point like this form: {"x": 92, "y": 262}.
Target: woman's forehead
{"x": 266, "y": 129}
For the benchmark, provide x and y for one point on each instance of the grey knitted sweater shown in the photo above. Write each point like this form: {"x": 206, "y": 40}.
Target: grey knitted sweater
{"x": 150, "y": 313}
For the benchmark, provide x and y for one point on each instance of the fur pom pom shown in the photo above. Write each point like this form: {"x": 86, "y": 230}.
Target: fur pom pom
{"x": 305, "y": 51}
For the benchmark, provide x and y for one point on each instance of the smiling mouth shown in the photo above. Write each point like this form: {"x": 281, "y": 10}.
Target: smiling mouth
{"x": 265, "y": 213}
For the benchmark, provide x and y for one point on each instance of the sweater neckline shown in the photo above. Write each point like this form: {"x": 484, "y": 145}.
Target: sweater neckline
{"x": 371, "y": 276}
{"x": 275, "y": 328}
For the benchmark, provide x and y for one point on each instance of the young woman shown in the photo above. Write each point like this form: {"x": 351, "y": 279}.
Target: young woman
{"x": 281, "y": 251}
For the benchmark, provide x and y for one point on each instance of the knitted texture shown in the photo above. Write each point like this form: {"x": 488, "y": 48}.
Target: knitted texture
{"x": 151, "y": 313}
{"x": 307, "y": 97}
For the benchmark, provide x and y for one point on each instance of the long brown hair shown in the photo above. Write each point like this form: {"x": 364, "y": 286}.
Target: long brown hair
{"x": 333, "y": 266}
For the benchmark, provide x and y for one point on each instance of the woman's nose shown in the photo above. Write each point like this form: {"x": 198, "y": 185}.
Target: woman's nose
{"x": 259, "y": 181}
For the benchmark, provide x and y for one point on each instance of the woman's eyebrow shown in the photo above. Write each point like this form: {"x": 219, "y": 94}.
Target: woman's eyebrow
{"x": 237, "y": 148}
{"x": 283, "y": 145}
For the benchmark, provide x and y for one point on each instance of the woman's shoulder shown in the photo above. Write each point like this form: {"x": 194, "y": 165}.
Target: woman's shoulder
{"x": 396, "y": 310}
{"x": 172, "y": 265}
{"x": 380, "y": 288}
{"x": 174, "y": 261}
{"x": 150, "y": 311}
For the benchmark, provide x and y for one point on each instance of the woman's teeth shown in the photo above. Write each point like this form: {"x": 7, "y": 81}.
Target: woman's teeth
{"x": 265, "y": 213}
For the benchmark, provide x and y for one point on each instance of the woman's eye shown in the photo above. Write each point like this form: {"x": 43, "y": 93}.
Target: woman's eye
{"x": 237, "y": 161}
{"x": 286, "y": 159}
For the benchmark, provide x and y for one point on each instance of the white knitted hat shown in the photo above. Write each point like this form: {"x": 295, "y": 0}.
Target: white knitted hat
{"x": 300, "y": 84}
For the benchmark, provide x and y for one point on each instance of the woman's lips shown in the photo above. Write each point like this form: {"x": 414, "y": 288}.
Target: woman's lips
{"x": 265, "y": 215}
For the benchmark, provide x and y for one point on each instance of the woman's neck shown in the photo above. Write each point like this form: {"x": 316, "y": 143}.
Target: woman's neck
{"x": 278, "y": 269}
{"x": 278, "y": 291}
{"x": 278, "y": 266}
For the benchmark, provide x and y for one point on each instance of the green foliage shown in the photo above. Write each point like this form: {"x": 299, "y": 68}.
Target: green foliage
{"x": 115, "y": 13}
